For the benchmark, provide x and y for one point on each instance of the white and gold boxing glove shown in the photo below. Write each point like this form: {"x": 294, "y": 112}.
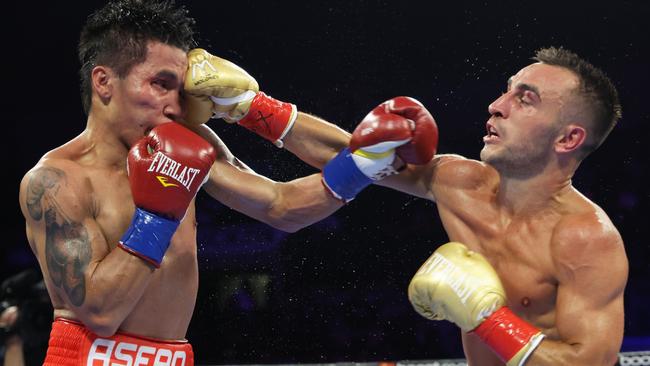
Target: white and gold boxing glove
{"x": 461, "y": 286}
{"x": 217, "y": 88}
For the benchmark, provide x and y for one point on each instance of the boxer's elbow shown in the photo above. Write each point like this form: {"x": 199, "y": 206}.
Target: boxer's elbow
{"x": 102, "y": 325}
{"x": 103, "y": 318}
{"x": 291, "y": 227}
{"x": 284, "y": 223}
{"x": 286, "y": 218}
{"x": 289, "y": 211}
{"x": 104, "y": 330}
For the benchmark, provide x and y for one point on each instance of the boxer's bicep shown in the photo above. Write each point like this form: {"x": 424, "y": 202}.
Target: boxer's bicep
{"x": 592, "y": 272}
{"x": 60, "y": 230}
{"x": 431, "y": 180}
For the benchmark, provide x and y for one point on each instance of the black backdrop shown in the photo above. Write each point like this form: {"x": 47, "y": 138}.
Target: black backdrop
{"x": 336, "y": 291}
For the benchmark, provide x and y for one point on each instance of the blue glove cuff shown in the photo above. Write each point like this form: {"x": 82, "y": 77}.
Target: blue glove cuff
{"x": 148, "y": 236}
{"x": 343, "y": 178}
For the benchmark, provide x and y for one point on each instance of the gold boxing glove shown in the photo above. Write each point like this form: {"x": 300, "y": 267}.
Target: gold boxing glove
{"x": 461, "y": 286}
{"x": 216, "y": 88}
{"x": 458, "y": 285}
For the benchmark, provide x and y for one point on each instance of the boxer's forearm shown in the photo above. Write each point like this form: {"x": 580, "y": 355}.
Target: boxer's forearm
{"x": 13, "y": 352}
{"x": 550, "y": 353}
{"x": 314, "y": 140}
{"x": 113, "y": 287}
{"x": 303, "y": 202}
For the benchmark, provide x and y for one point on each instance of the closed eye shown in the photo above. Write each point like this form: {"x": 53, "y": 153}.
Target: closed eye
{"x": 163, "y": 84}
{"x": 527, "y": 97}
{"x": 166, "y": 80}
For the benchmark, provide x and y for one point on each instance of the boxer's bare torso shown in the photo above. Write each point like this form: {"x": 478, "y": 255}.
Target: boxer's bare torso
{"x": 77, "y": 204}
{"x": 533, "y": 251}
{"x": 102, "y": 213}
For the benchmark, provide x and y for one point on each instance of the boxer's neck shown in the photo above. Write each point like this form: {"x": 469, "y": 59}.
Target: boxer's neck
{"x": 533, "y": 194}
{"x": 103, "y": 143}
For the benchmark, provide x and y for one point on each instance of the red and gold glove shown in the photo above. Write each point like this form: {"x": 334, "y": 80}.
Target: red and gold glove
{"x": 461, "y": 286}
{"x": 217, "y": 88}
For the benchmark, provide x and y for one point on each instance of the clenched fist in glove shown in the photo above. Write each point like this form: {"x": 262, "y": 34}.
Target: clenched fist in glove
{"x": 461, "y": 286}
{"x": 218, "y": 88}
{"x": 166, "y": 168}
{"x": 402, "y": 127}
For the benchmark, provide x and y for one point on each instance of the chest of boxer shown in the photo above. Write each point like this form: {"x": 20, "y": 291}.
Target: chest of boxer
{"x": 113, "y": 208}
{"x": 176, "y": 279}
{"x": 520, "y": 252}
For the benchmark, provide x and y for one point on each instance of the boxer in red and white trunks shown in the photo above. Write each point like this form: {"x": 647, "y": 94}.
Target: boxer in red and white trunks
{"x": 73, "y": 344}
{"x": 110, "y": 214}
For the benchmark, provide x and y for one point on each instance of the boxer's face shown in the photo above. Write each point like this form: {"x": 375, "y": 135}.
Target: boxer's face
{"x": 151, "y": 93}
{"x": 525, "y": 121}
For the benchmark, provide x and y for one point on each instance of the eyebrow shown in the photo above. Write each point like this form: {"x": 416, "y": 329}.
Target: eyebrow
{"x": 166, "y": 74}
{"x": 524, "y": 86}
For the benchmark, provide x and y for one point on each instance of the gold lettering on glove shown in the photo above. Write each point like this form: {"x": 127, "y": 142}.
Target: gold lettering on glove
{"x": 450, "y": 274}
{"x": 198, "y": 68}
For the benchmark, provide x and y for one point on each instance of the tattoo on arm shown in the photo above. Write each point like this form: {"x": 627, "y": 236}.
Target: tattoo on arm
{"x": 42, "y": 180}
{"x": 67, "y": 247}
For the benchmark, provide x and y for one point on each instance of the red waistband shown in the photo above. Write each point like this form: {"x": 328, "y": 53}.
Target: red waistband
{"x": 72, "y": 344}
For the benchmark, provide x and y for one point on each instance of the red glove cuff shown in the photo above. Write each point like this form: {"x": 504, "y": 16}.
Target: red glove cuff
{"x": 505, "y": 333}
{"x": 270, "y": 118}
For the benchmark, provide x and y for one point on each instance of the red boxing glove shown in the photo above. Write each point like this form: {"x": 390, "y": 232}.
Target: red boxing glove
{"x": 400, "y": 126}
{"x": 167, "y": 168}
{"x": 401, "y": 119}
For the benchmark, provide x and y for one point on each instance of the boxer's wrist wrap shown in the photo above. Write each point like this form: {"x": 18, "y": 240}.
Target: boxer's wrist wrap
{"x": 148, "y": 236}
{"x": 270, "y": 118}
{"x": 510, "y": 337}
{"x": 343, "y": 178}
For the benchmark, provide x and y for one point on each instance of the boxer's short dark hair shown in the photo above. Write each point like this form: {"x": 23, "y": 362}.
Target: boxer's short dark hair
{"x": 595, "y": 89}
{"x": 117, "y": 35}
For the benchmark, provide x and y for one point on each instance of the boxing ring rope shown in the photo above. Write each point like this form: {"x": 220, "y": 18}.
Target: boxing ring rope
{"x": 638, "y": 358}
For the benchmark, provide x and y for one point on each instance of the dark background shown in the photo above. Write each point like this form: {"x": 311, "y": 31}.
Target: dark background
{"x": 336, "y": 291}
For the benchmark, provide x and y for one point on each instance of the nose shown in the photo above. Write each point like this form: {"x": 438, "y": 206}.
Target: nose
{"x": 501, "y": 106}
{"x": 174, "y": 109}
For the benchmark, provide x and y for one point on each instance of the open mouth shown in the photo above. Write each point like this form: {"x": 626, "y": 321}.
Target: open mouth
{"x": 492, "y": 135}
{"x": 491, "y": 131}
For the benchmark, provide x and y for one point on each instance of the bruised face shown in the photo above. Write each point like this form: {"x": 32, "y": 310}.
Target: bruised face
{"x": 526, "y": 120}
{"x": 151, "y": 92}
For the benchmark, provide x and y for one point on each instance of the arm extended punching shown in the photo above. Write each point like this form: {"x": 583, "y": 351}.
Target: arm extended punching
{"x": 216, "y": 87}
{"x": 287, "y": 206}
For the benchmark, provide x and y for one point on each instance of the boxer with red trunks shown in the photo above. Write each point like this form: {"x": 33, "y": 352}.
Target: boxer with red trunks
{"x": 110, "y": 214}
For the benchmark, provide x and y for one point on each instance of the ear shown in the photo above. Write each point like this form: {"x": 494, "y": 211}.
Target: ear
{"x": 101, "y": 80}
{"x": 571, "y": 138}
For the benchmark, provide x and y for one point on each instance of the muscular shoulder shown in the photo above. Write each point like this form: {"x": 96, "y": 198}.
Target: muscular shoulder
{"x": 59, "y": 181}
{"x": 457, "y": 172}
{"x": 587, "y": 241}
